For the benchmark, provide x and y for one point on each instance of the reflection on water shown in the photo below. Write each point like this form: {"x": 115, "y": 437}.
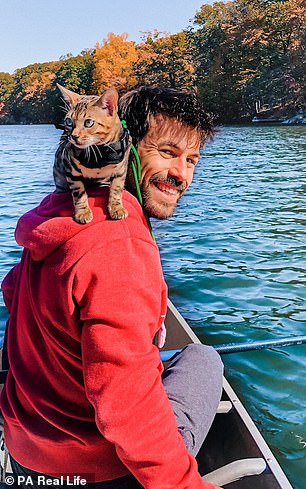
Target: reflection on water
{"x": 234, "y": 258}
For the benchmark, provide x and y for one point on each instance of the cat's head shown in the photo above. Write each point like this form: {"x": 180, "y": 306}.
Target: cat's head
{"x": 91, "y": 119}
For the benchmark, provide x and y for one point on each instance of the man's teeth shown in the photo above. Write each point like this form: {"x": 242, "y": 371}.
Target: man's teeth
{"x": 166, "y": 188}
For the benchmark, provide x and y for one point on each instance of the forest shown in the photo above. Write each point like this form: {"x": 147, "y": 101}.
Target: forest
{"x": 241, "y": 57}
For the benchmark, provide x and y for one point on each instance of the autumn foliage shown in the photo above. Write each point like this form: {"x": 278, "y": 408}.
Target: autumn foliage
{"x": 235, "y": 54}
{"x": 114, "y": 62}
{"x": 165, "y": 60}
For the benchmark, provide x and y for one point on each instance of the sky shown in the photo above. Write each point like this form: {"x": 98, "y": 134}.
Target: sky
{"x": 35, "y": 31}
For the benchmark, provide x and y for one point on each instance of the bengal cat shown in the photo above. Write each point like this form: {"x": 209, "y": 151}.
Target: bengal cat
{"x": 93, "y": 151}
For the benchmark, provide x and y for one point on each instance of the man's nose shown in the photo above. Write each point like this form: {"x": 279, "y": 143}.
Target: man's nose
{"x": 178, "y": 169}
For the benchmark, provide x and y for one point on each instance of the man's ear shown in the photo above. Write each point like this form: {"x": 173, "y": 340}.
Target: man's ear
{"x": 70, "y": 97}
{"x": 109, "y": 100}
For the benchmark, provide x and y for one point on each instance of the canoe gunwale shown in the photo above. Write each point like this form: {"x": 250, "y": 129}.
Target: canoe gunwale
{"x": 175, "y": 319}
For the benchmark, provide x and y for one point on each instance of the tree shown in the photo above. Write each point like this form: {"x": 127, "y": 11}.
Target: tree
{"x": 35, "y": 98}
{"x": 114, "y": 64}
{"x": 74, "y": 73}
{"x": 7, "y": 83}
{"x": 29, "y": 101}
{"x": 248, "y": 50}
{"x": 165, "y": 60}
{"x": 236, "y": 54}
{"x": 218, "y": 59}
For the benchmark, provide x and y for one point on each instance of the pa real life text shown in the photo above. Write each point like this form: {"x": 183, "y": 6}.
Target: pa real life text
{"x": 42, "y": 480}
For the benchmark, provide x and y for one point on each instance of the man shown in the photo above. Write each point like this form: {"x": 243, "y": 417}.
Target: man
{"x": 168, "y": 132}
{"x": 85, "y": 395}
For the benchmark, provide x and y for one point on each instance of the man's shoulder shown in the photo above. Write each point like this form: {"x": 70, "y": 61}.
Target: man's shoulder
{"x": 106, "y": 230}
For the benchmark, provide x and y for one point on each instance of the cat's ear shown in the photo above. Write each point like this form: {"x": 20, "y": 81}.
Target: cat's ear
{"x": 70, "y": 97}
{"x": 109, "y": 100}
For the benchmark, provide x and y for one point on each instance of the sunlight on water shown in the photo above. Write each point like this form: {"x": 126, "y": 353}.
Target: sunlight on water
{"x": 26, "y": 155}
{"x": 234, "y": 257}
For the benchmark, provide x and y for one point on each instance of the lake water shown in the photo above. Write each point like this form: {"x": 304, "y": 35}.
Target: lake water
{"x": 234, "y": 257}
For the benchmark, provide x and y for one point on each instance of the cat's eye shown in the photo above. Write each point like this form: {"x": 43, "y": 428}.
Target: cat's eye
{"x": 68, "y": 122}
{"x": 89, "y": 122}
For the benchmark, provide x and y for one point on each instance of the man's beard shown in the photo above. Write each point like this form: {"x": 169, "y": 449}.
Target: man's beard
{"x": 159, "y": 208}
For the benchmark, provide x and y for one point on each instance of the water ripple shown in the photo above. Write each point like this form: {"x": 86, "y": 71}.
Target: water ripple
{"x": 234, "y": 258}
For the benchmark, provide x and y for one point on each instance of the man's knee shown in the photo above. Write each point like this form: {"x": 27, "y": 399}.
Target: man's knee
{"x": 196, "y": 369}
{"x": 204, "y": 357}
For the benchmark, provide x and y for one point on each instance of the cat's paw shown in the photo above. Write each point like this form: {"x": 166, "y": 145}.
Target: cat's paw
{"x": 84, "y": 216}
{"x": 117, "y": 212}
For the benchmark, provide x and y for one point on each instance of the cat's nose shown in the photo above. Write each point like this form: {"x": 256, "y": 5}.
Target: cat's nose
{"x": 74, "y": 137}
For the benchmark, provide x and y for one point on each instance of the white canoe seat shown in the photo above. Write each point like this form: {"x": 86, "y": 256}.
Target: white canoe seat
{"x": 224, "y": 407}
{"x": 236, "y": 470}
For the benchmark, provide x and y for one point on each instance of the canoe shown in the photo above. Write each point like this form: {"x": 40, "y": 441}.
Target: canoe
{"x": 234, "y": 453}
{"x": 234, "y": 448}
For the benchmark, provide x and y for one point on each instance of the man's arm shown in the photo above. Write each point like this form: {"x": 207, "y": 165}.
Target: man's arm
{"x": 121, "y": 301}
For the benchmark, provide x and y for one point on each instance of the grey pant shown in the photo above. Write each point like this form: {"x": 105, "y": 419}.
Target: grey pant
{"x": 193, "y": 382}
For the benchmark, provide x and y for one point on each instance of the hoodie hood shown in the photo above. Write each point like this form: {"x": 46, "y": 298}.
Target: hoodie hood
{"x": 51, "y": 224}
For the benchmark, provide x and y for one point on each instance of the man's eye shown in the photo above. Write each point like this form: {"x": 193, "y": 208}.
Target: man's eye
{"x": 192, "y": 161}
{"x": 167, "y": 152}
{"x": 68, "y": 122}
{"x": 89, "y": 122}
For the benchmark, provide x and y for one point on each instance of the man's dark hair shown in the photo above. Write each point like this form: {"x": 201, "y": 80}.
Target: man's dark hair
{"x": 136, "y": 106}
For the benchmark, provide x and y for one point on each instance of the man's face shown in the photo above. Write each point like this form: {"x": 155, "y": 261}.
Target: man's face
{"x": 168, "y": 154}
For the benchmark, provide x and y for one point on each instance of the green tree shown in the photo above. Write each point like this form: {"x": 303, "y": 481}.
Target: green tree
{"x": 249, "y": 50}
{"x": 165, "y": 60}
{"x": 29, "y": 100}
{"x": 35, "y": 98}
{"x": 74, "y": 73}
{"x": 218, "y": 59}
{"x": 7, "y": 83}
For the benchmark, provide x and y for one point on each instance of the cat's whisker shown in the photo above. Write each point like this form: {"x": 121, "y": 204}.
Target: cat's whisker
{"x": 98, "y": 150}
{"x": 68, "y": 156}
{"x": 67, "y": 107}
{"x": 93, "y": 150}
{"x": 109, "y": 146}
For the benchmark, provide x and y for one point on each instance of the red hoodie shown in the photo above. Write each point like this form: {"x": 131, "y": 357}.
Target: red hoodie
{"x": 84, "y": 394}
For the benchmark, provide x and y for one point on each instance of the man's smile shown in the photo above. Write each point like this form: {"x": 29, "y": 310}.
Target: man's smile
{"x": 166, "y": 188}
{"x": 169, "y": 187}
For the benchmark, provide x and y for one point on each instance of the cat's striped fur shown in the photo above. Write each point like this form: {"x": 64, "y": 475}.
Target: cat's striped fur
{"x": 91, "y": 120}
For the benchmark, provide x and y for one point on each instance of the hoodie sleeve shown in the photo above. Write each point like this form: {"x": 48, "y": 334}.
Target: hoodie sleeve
{"x": 121, "y": 295}
{"x": 8, "y": 286}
